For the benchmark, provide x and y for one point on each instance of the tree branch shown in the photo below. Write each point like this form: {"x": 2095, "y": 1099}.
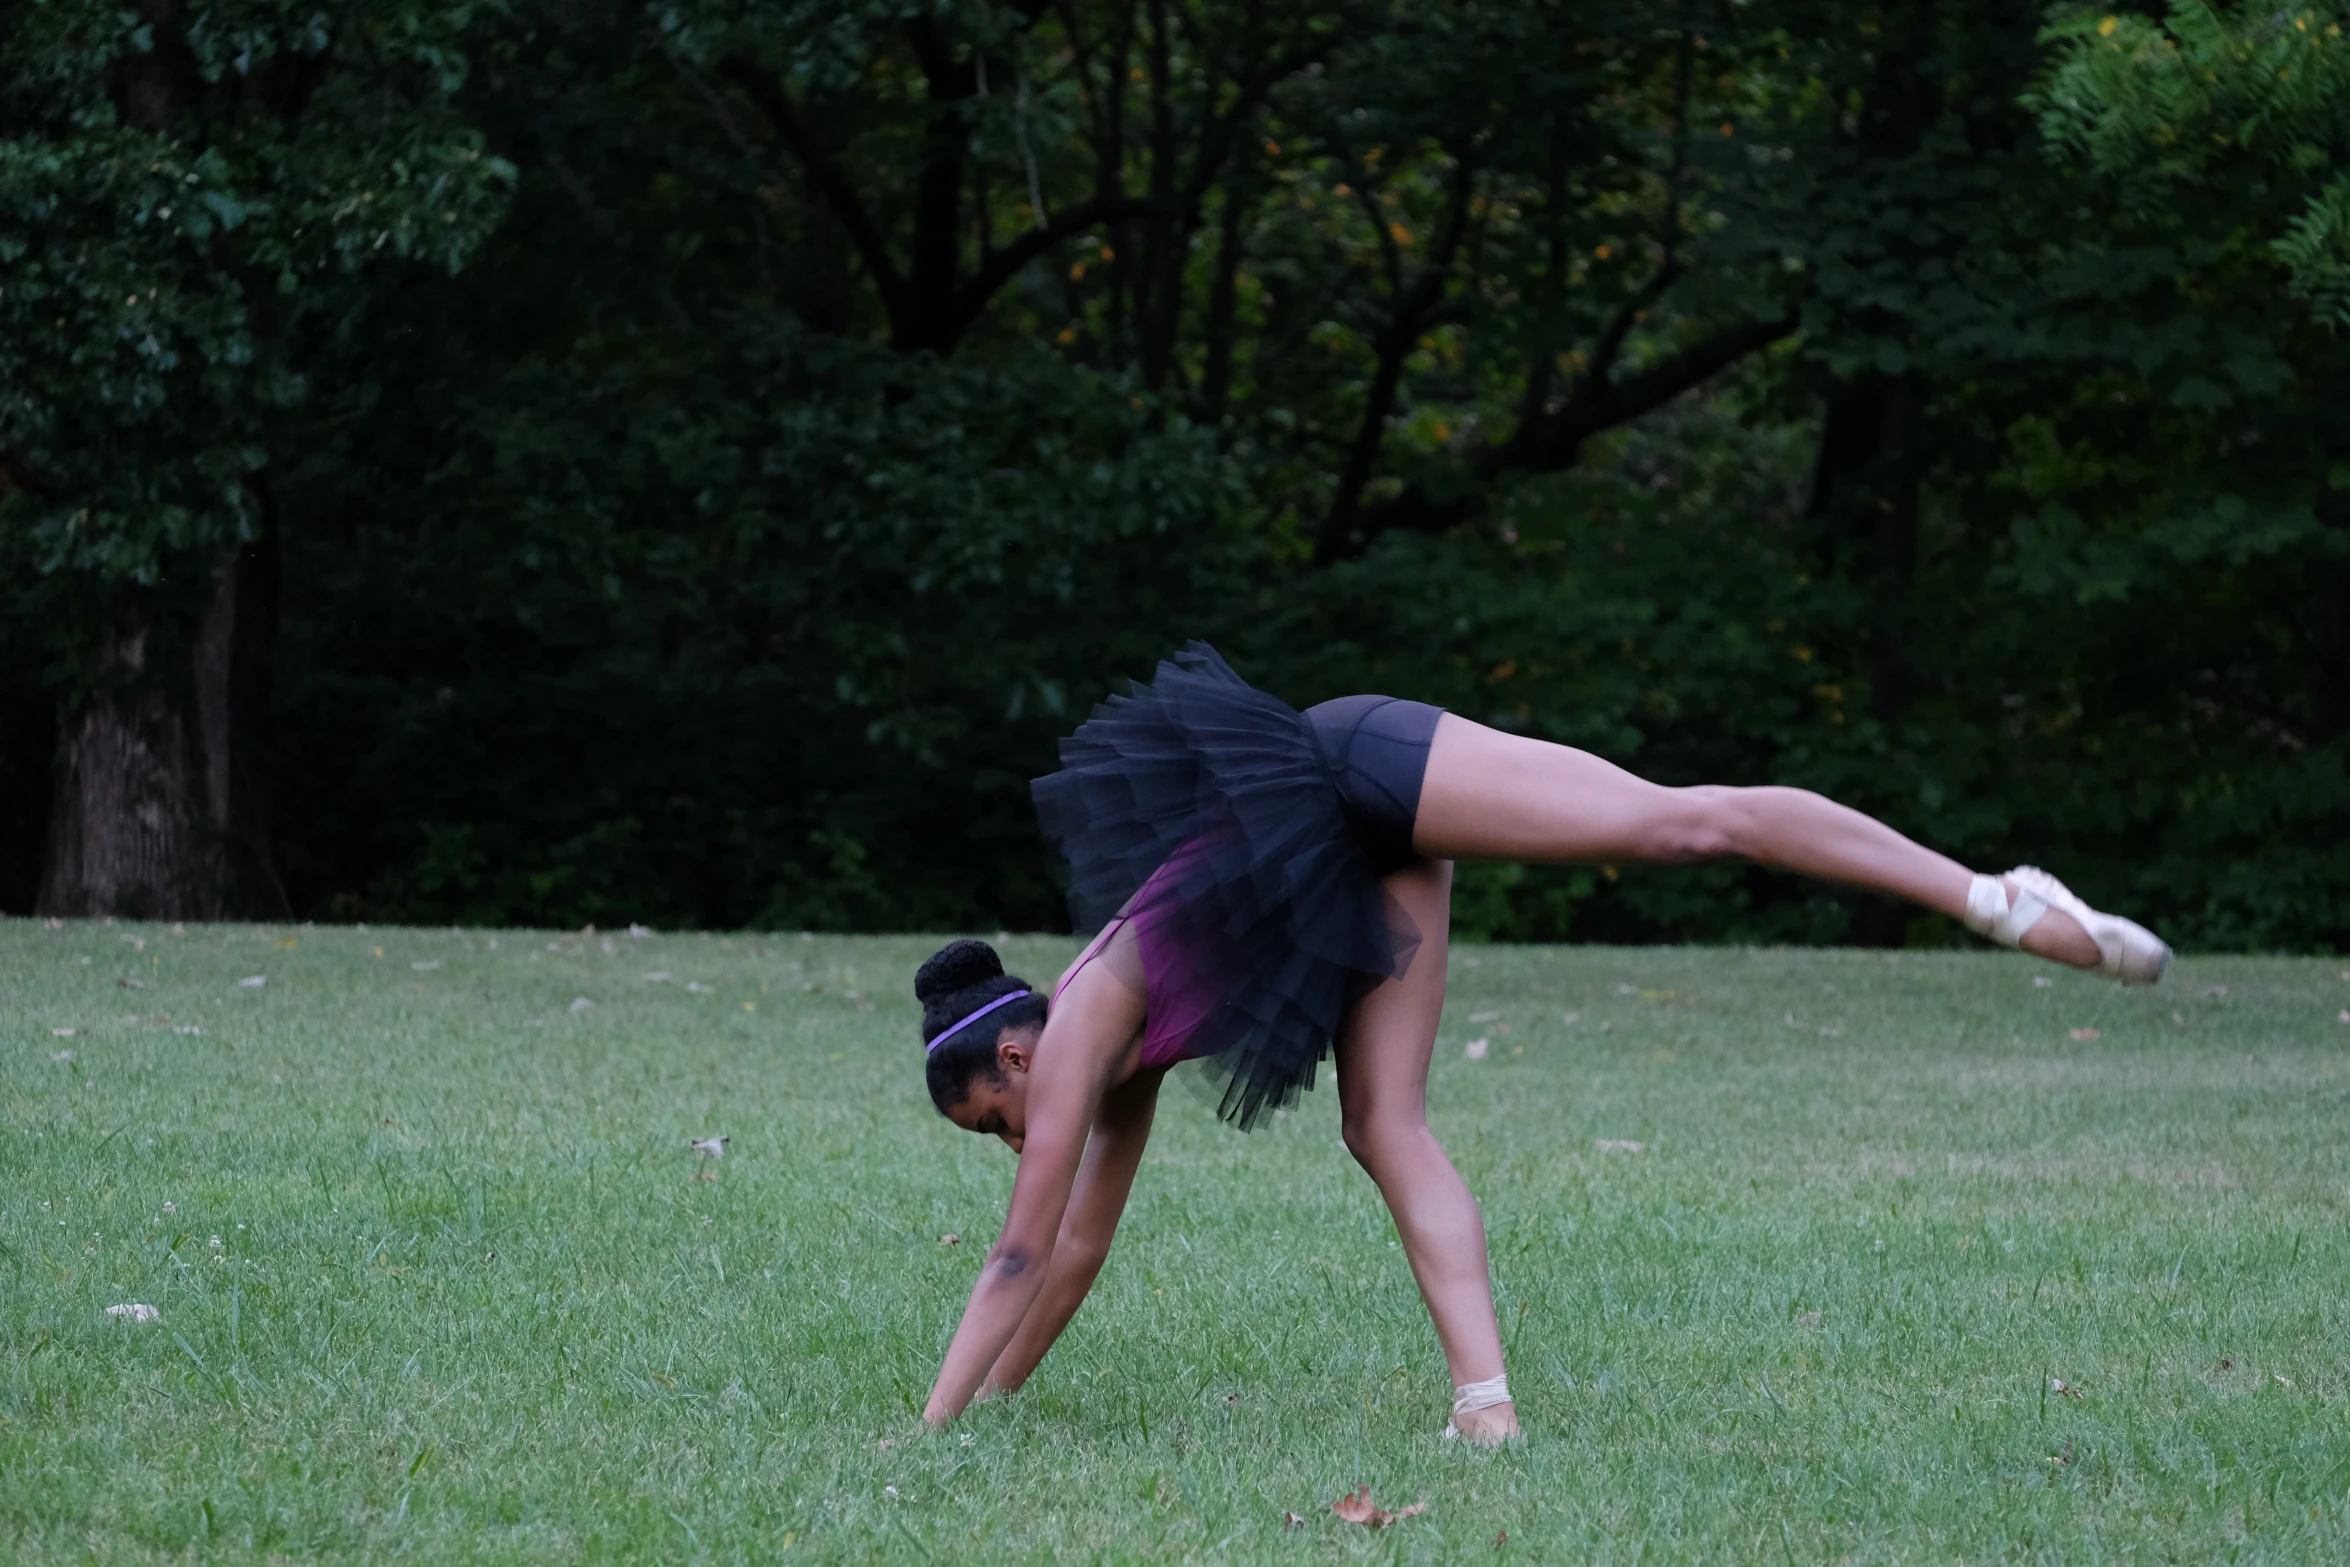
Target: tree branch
{"x": 767, "y": 93}
{"x": 1006, "y": 263}
{"x": 1560, "y": 441}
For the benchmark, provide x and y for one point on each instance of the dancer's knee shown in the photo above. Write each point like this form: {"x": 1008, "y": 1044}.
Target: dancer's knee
{"x": 1378, "y": 1138}
{"x": 1705, "y": 822}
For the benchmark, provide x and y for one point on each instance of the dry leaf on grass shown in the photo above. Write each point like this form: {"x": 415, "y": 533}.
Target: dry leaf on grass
{"x": 1475, "y": 1049}
{"x": 1293, "y": 1520}
{"x": 1359, "y": 1508}
{"x": 2085, "y": 1033}
{"x": 1619, "y": 1145}
{"x": 2060, "y": 1385}
{"x": 950, "y": 1239}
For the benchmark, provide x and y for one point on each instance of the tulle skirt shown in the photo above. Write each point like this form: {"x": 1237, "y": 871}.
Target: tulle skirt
{"x": 1206, "y": 813}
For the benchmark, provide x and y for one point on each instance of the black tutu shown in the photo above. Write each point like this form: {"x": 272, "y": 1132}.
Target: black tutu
{"x": 1205, "y": 812}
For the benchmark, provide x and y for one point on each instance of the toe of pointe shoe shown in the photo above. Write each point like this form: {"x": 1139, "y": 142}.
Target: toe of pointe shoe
{"x": 2138, "y": 957}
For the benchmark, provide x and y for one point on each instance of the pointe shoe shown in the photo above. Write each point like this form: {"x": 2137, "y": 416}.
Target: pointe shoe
{"x": 2126, "y": 950}
{"x": 1475, "y": 1398}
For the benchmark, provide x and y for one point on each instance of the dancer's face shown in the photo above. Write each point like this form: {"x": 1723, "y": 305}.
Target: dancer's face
{"x": 998, "y": 1106}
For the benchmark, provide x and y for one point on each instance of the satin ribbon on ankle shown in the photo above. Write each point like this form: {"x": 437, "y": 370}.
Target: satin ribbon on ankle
{"x": 1469, "y": 1397}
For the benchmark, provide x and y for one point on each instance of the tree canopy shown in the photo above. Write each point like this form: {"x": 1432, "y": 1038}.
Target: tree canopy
{"x": 688, "y": 460}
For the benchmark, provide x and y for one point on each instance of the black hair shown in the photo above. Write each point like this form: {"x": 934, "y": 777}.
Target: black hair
{"x": 954, "y": 982}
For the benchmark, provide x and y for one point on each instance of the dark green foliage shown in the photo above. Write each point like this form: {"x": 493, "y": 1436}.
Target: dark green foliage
{"x": 836, "y": 401}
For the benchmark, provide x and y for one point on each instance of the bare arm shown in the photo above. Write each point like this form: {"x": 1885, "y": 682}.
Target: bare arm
{"x": 1081, "y": 1044}
{"x": 1104, "y": 1181}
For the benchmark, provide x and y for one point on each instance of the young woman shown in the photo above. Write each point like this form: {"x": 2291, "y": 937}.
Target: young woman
{"x": 1267, "y": 885}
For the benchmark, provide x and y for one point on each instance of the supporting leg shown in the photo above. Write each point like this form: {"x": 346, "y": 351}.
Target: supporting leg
{"x": 1383, "y": 1058}
{"x": 1489, "y": 795}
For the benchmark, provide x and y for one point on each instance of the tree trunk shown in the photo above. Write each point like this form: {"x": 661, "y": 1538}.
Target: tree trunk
{"x": 157, "y": 811}
{"x": 125, "y": 834}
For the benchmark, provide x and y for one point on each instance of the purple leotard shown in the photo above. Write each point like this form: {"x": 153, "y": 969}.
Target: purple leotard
{"x": 1177, "y": 996}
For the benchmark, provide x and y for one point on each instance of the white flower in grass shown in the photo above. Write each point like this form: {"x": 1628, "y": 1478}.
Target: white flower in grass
{"x": 214, "y": 1243}
{"x": 134, "y": 1311}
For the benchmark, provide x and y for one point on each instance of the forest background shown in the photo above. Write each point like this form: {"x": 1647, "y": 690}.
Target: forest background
{"x": 687, "y": 461}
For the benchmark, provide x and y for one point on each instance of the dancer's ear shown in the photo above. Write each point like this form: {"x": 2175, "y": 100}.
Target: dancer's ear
{"x": 1015, "y": 1050}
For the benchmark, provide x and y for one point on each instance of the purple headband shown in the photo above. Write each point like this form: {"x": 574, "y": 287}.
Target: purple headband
{"x": 997, "y": 1005}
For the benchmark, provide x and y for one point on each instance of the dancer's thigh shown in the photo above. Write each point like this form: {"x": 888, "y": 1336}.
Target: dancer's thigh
{"x": 1390, "y": 1034}
{"x": 1494, "y": 796}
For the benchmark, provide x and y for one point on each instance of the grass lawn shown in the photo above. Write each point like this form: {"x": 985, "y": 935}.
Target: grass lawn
{"x": 436, "y": 1278}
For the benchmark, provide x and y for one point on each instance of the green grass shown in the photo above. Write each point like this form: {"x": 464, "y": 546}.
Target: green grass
{"x": 467, "y": 1303}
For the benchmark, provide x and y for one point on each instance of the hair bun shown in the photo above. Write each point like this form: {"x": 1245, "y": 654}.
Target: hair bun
{"x": 956, "y": 966}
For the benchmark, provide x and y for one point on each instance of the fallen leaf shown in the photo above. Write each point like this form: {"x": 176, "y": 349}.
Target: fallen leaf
{"x": 712, "y": 1147}
{"x": 1619, "y": 1145}
{"x": 1475, "y": 1049}
{"x": 2060, "y": 1385}
{"x": 950, "y": 1239}
{"x": 1573, "y": 1018}
{"x": 2041, "y": 982}
{"x": 1293, "y": 1520}
{"x": 2226, "y": 1364}
{"x": 129, "y": 983}
{"x": 2084, "y": 1033}
{"x": 425, "y": 968}
{"x": 2282, "y": 1381}
{"x": 135, "y": 1311}
{"x": 1810, "y": 1319}
{"x": 1359, "y": 1508}
{"x": 253, "y": 981}
{"x": 63, "y": 1033}
{"x": 1501, "y": 1539}
{"x": 705, "y": 1175}
{"x": 2343, "y": 1016}
{"x": 581, "y": 1004}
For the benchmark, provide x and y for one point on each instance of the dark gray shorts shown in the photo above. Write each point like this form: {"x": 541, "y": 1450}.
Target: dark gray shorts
{"x": 1377, "y": 749}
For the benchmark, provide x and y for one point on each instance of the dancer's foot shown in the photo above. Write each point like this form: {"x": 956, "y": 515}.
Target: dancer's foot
{"x": 1487, "y": 1427}
{"x": 2030, "y": 909}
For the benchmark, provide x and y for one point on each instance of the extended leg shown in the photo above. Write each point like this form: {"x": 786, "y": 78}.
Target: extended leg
{"x": 1383, "y": 1101}
{"x": 1494, "y": 796}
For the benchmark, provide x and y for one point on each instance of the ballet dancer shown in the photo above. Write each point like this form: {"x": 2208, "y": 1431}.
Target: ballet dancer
{"x": 1267, "y": 886}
